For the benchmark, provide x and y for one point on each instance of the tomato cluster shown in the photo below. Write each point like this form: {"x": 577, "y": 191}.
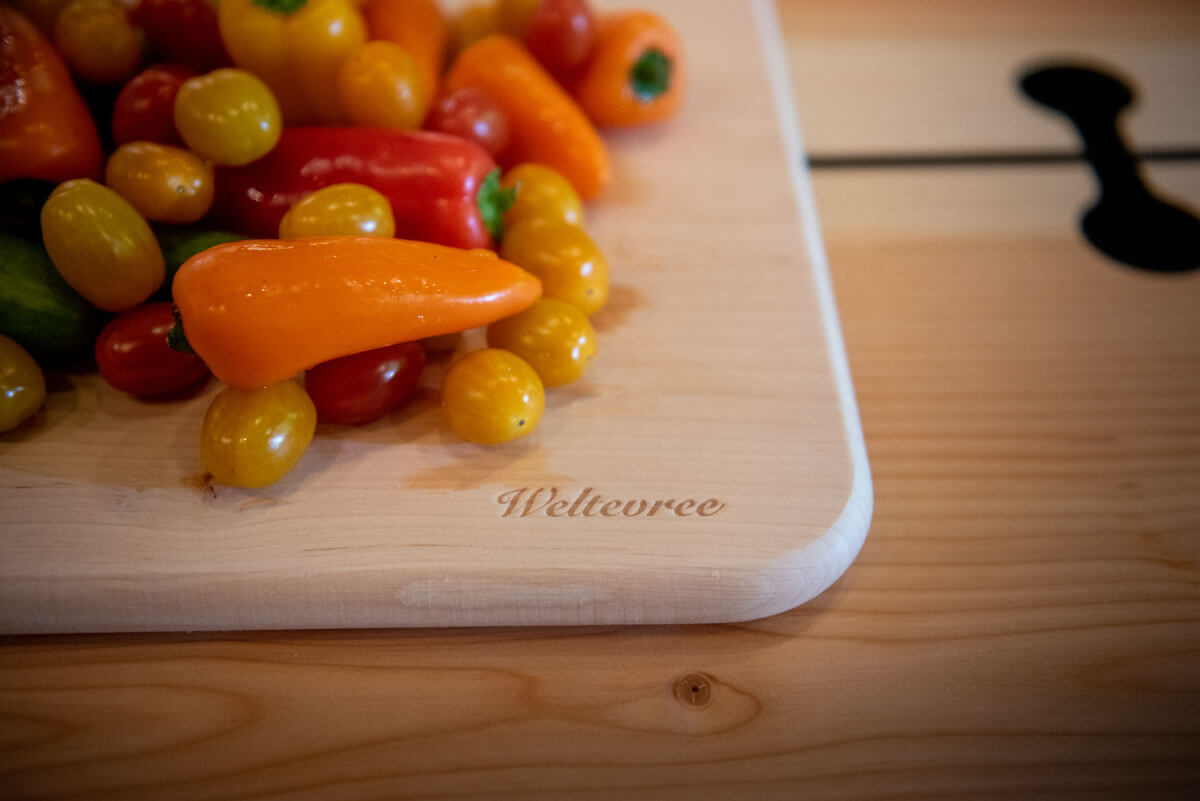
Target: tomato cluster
{"x": 142, "y": 128}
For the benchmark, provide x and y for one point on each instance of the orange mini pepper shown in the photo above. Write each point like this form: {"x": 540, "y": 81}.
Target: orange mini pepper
{"x": 546, "y": 124}
{"x": 636, "y": 73}
{"x": 416, "y": 25}
{"x": 261, "y": 310}
{"x": 46, "y": 130}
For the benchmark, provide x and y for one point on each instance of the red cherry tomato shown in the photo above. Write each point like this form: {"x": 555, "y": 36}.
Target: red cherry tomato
{"x": 145, "y": 108}
{"x": 365, "y": 386}
{"x": 560, "y": 36}
{"x": 134, "y": 357}
{"x": 472, "y": 114}
{"x": 182, "y": 30}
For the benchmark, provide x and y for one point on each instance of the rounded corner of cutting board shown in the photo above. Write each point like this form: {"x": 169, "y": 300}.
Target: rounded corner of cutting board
{"x": 791, "y": 579}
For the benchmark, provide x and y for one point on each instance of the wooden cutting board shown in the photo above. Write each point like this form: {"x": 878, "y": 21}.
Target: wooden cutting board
{"x": 710, "y": 467}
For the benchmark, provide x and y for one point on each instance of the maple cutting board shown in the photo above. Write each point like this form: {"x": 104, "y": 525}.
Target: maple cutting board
{"x": 709, "y": 467}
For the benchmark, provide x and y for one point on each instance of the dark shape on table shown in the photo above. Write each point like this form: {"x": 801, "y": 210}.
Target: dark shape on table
{"x": 1129, "y": 222}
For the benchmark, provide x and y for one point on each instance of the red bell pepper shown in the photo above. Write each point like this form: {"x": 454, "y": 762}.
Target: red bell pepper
{"x": 442, "y": 188}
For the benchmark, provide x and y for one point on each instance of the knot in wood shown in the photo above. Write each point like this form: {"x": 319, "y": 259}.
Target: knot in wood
{"x": 693, "y": 690}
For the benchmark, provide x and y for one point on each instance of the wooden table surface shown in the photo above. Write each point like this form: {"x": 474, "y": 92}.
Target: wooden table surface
{"x": 1024, "y": 619}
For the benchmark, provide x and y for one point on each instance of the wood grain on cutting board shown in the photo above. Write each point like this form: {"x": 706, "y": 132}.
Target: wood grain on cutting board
{"x": 705, "y": 469}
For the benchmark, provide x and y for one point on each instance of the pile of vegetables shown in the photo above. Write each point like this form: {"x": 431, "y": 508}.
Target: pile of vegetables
{"x": 303, "y": 198}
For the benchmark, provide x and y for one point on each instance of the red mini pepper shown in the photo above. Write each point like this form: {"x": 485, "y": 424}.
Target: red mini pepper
{"x": 442, "y": 188}
{"x": 46, "y": 131}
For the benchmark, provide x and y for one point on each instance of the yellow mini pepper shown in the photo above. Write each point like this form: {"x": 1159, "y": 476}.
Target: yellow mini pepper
{"x": 296, "y": 47}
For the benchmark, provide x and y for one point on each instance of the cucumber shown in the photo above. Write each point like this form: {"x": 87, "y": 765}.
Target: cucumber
{"x": 37, "y": 307}
{"x": 180, "y": 244}
{"x": 21, "y": 201}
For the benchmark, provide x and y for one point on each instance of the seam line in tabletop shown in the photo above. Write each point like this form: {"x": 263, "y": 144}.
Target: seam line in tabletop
{"x": 982, "y": 159}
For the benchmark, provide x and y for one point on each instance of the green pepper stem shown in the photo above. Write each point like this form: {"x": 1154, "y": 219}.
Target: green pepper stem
{"x": 176, "y": 339}
{"x": 493, "y": 200}
{"x": 281, "y": 6}
{"x": 650, "y": 75}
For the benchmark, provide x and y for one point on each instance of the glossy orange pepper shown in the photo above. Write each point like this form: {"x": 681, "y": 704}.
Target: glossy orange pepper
{"x": 261, "y": 310}
{"x": 416, "y": 25}
{"x": 46, "y": 131}
{"x": 635, "y": 74}
{"x": 546, "y": 124}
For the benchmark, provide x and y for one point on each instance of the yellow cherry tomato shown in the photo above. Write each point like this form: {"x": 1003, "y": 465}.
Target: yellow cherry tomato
{"x": 541, "y": 192}
{"x": 101, "y": 245}
{"x": 22, "y": 385}
{"x": 227, "y": 116}
{"x": 492, "y": 396}
{"x": 380, "y": 85}
{"x": 296, "y": 47}
{"x": 339, "y": 210}
{"x": 556, "y": 339}
{"x": 164, "y": 183}
{"x": 254, "y": 437}
{"x": 98, "y": 40}
{"x": 563, "y": 257}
